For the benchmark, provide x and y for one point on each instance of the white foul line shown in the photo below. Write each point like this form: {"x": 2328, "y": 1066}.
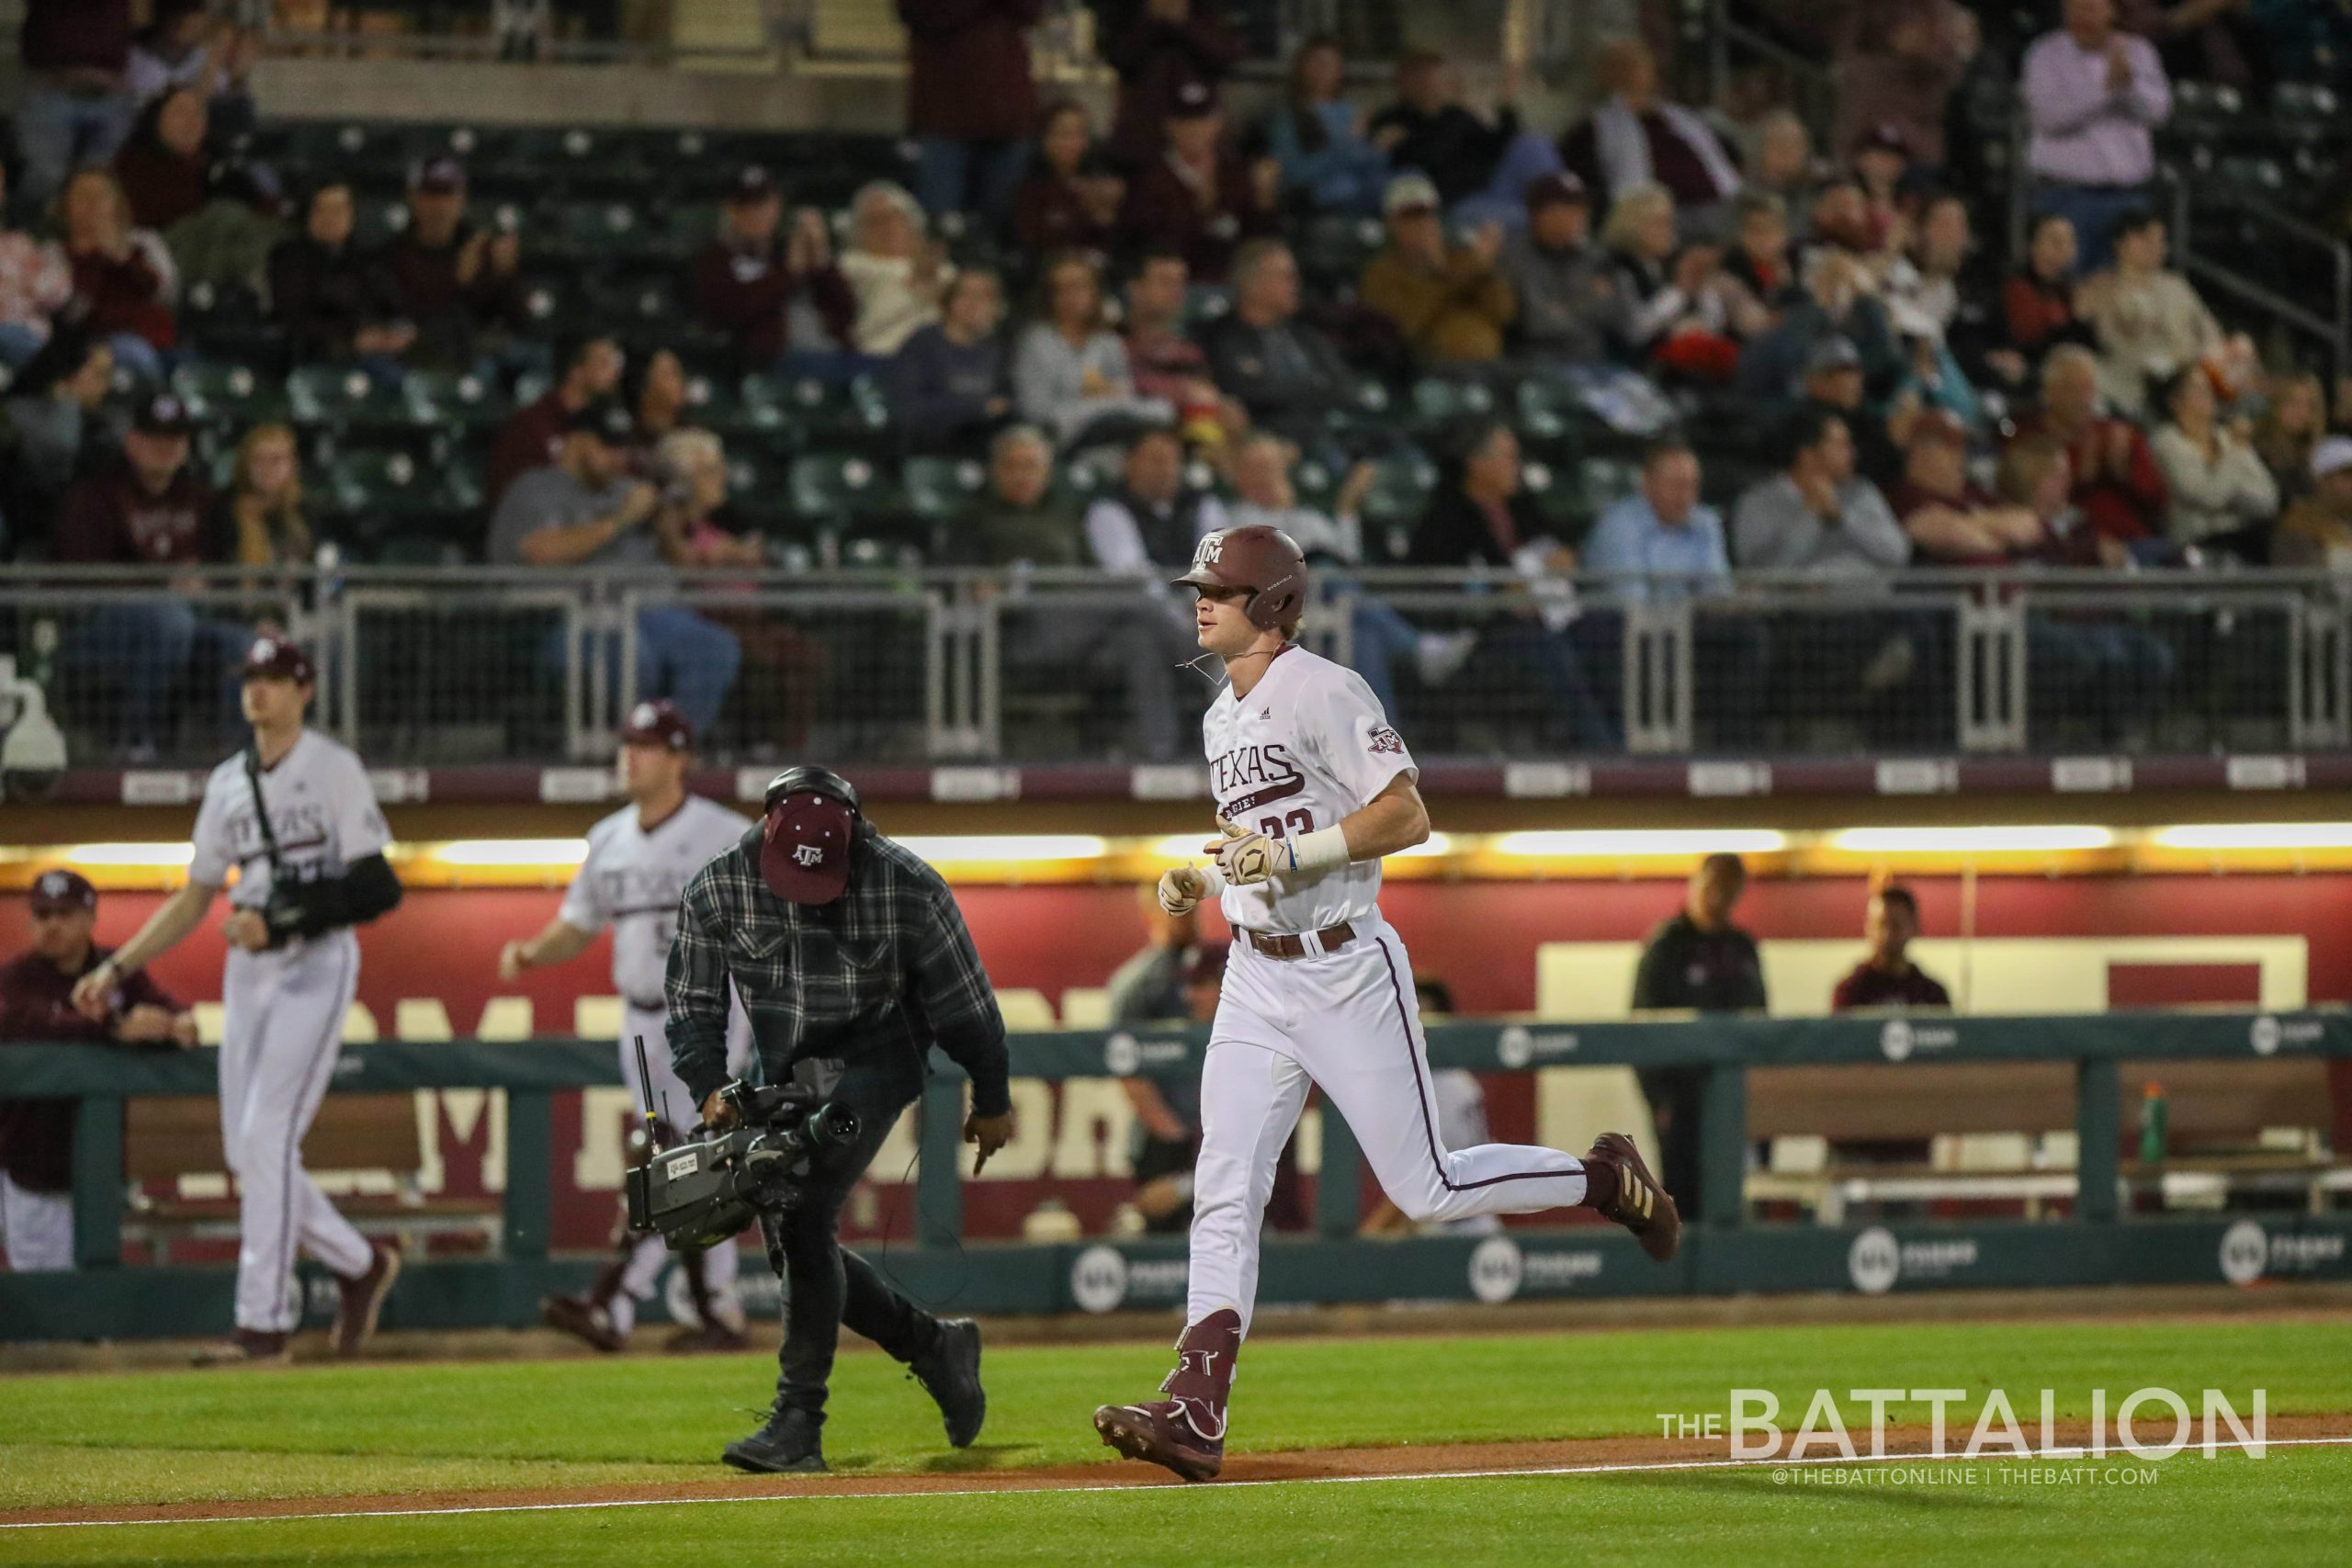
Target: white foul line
{"x": 1644, "y": 1467}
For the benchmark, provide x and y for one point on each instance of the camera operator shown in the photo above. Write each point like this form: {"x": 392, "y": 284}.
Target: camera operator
{"x": 852, "y": 961}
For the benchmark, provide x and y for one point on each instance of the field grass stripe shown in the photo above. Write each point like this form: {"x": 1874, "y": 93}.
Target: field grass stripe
{"x": 1636, "y": 1468}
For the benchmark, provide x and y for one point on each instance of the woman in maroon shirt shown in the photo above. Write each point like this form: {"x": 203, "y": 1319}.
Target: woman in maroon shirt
{"x": 162, "y": 167}
{"x": 1069, "y": 200}
{"x": 2039, "y": 301}
{"x": 122, "y": 276}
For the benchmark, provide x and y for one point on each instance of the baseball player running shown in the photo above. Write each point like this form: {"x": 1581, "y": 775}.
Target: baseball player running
{"x": 1312, "y": 786}
{"x": 638, "y": 861}
{"x": 295, "y": 815}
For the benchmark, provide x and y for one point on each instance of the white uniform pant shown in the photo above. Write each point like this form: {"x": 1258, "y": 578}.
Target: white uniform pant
{"x": 1346, "y": 1023}
{"x": 37, "y": 1228}
{"x": 676, "y": 1105}
{"x": 281, "y": 1031}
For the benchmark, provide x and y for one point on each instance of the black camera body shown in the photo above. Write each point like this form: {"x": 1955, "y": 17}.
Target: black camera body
{"x": 708, "y": 1189}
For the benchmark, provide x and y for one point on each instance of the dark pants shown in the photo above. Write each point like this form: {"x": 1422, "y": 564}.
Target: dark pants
{"x": 1673, "y": 1094}
{"x": 825, "y": 1285}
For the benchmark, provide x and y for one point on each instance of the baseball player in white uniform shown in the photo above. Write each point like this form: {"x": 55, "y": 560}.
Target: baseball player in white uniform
{"x": 295, "y": 816}
{"x": 1312, "y": 786}
{"x": 639, "y": 860}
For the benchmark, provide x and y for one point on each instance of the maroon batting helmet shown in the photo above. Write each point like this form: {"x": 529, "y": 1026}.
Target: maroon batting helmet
{"x": 1264, "y": 560}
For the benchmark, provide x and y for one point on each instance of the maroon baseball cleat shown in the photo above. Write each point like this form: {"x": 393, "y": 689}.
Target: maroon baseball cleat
{"x": 1620, "y": 1188}
{"x": 1184, "y": 1432}
{"x": 585, "y": 1320}
{"x": 363, "y": 1298}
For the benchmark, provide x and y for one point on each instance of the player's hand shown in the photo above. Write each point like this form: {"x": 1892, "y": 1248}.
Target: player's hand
{"x": 94, "y": 992}
{"x": 991, "y": 1133}
{"x": 145, "y": 1024}
{"x": 1246, "y": 858}
{"x": 1181, "y": 890}
{"x": 246, "y": 930}
{"x": 715, "y": 1112}
{"x": 510, "y": 962}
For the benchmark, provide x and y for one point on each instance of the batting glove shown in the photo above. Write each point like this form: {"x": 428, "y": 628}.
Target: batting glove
{"x": 1248, "y": 858}
{"x": 1181, "y": 890}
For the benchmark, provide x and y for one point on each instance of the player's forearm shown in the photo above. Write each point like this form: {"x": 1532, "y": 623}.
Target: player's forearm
{"x": 165, "y": 929}
{"x": 1394, "y": 820}
{"x": 559, "y": 943}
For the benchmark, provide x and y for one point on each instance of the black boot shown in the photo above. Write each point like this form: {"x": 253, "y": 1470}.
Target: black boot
{"x": 788, "y": 1444}
{"x": 950, "y": 1370}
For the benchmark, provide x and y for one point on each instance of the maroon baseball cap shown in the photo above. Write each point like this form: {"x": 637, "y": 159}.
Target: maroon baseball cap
{"x": 658, "y": 724}
{"x": 54, "y": 891}
{"x": 277, "y": 659}
{"x": 443, "y": 175}
{"x": 751, "y": 183}
{"x": 805, "y": 848}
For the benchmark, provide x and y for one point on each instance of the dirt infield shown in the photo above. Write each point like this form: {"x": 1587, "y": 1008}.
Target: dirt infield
{"x": 1564, "y": 1458}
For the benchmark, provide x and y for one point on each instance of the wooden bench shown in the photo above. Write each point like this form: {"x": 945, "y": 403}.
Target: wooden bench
{"x": 2231, "y": 1127}
{"x": 376, "y": 1135}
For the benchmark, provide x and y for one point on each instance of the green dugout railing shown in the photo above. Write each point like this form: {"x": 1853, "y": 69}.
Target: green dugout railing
{"x": 1723, "y": 1252}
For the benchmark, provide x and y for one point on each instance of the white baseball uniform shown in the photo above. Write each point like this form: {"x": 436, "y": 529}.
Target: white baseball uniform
{"x": 1307, "y": 748}
{"x": 282, "y": 1010}
{"x": 632, "y": 880}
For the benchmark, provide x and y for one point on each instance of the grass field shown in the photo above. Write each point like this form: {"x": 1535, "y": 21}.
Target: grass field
{"x": 110, "y": 1440}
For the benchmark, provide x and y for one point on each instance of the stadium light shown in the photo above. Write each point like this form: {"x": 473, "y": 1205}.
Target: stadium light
{"x": 2257, "y": 836}
{"x": 138, "y": 856}
{"x": 1005, "y": 848}
{"x": 2020, "y": 840}
{"x": 1621, "y": 842}
{"x": 504, "y": 851}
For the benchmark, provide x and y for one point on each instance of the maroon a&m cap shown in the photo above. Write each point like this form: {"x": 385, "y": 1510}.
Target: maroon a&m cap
{"x": 279, "y": 658}
{"x": 806, "y": 843}
{"x": 658, "y": 724}
{"x": 56, "y": 891}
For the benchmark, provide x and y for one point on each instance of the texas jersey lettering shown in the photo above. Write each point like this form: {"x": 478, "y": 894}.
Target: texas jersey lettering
{"x": 322, "y": 808}
{"x": 631, "y": 881}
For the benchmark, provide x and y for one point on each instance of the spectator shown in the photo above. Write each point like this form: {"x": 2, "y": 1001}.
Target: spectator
{"x": 1896, "y": 67}
{"x": 1167, "y": 47}
{"x": 1950, "y": 520}
{"x": 1284, "y": 372}
{"x": 2149, "y": 321}
{"x": 457, "y": 284}
{"x": 36, "y": 282}
{"x": 1481, "y": 167}
{"x": 2317, "y": 530}
{"x": 2094, "y": 97}
{"x": 1818, "y": 517}
{"x": 1165, "y": 363}
{"x": 754, "y": 285}
{"x": 1263, "y": 496}
{"x": 1201, "y": 197}
{"x": 1149, "y": 988}
{"x": 150, "y": 510}
{"x": 1448, "y": 303}
{"x": 1760, "y": 260}
{"x": 1483, "y": 517}
{"x": 1882, "y": 165}
{"x": 897, "y": 272}
{"x": 52, "y": 425}
{"x": 1069, "y": 199}
{"x": 162, "y": 165}
{"x": 2223, "y": 498}
{"x": 1783, "y": 165}
{"x": 1833, "y": 382}
{"x": 1318, "y": 137}
{"x": 1149, "y": 985}
{"x": 2037, "y": 475}
{"x": 2038, "y": 302}
{"x": 1922, "y": 288}
{"x": 583, "y": 509}
{"x": 951, "y": 385}
{"x": 1836, "y": 302}
{"x": 2290, "y": 429}
{"x": 36, "y": 1009}
{"x": 186, "y": 46}
{"x": 1069, "y": 371}
{"x": 1696, "y": 961}
{"x": 337, "y": 302}
{"x": 782, "y": 677}
{"x": 1635, "y": 137}
{"x": 1659, "y": 546}
{"x": 259, "y": 520}
{"x": 656, "y": 397}
{"x": 1148, "y": 525}
{"x": 2116, "y": 481}
{"x": 123, "y": 279}
{"x": 1022, "y": 524}
{"x": 75, "y": 107}
{"x": 1887, "y": 978}
{"x": 2202, "y": 40}
{"x": 1681, "y": 307}
{"x": 224, "y": 246}
{"x": 971, "y": 100}
{"x": 1566, "y": 294}
{"x": 588, "y": 370}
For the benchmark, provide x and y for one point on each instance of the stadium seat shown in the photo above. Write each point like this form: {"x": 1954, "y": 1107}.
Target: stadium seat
{"x": 234, "y": 393}
{"x": 449, "y": 398}
{"x": 831, "y": 489}
{"x": 342, "y": 396}
{"x": 1438, "y": 403}
{"x": 939, "y": 488}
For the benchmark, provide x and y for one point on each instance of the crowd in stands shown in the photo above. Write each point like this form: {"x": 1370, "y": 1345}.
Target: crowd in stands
{"x": 1185, "y": 308}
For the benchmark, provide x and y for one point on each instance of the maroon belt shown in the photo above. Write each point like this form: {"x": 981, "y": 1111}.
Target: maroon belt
{"x": 1285, "y": 945}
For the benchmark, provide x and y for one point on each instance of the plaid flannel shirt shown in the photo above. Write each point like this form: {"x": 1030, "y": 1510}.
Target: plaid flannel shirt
{"x": 889, "y": 966}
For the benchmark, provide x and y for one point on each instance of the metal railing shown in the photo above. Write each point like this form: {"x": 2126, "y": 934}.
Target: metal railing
{"x": 452, "y": 666}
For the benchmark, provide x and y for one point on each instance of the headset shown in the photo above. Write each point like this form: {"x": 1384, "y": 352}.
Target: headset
{"x": 811, "y": 779}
